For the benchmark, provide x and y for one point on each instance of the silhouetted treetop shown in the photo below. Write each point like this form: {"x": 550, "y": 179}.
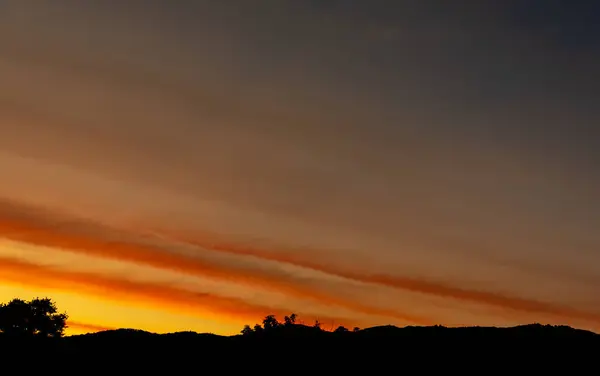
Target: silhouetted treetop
{"x": 290, "y": 320}
{"x": 270, "y": 323}
{"x": 38, "y": 317}
{"x": 341, "y": 329}
{"x": 246, "y": 330}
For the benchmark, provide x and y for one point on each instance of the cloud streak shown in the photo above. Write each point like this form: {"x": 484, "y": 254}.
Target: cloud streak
{"x": 98, "y": 241}
{"x": 25, "y": 224}
{"x": 398, "y": 282}
{"x": 87, "y": 327}
{"x": 175, "y": 299}
{"x": 393, "y": 159}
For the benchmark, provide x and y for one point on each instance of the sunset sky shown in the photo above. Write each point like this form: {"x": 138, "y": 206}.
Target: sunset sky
{"x": 179, "y": 165}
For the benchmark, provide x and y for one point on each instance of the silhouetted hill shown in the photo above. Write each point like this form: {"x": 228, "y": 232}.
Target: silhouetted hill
{"x": 532, "y": 332}
{"x": 307, "y": 347}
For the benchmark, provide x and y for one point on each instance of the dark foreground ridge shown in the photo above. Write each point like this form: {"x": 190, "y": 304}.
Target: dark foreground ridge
{"x": 536, "y": 346}
{"x": 31, "y": 333}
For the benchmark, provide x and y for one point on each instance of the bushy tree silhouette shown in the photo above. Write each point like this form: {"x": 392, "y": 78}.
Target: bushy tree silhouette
{"x": 258, "y": 328}
{"x": 38, "y": 317}
{"x": 247, "y": 330}
{"x": 341, "y": 329}
{"x": 270, "y": 323}
{"x": 290, "y": 320}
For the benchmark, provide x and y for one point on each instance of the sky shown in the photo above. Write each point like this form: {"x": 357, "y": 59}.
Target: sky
{"x": 174, "y": 166}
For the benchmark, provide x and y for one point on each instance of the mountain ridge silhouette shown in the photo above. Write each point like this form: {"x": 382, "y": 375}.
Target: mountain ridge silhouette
{"x": 296, "y": 347}
{"x": 380, "y": 329}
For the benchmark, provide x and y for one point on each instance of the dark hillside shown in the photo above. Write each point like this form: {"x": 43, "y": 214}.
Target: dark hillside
{"x": 33, "y": 332}
{"x": 370, "y": 349}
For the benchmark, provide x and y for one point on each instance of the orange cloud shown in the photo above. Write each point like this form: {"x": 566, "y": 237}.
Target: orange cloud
{"x": 27, "y": 225}
{"x": 98, "y": 241}
{"x": 288, "y": 256}
{"x": 152, "y": 294}
{"x": 87, "y": 328}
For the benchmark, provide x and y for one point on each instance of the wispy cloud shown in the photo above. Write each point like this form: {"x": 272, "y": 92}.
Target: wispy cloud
{"x": 388, "y": 160}
{"x": 193, "y": 257}
{"x": 299, "y": 258}
{"x": 84, "y": 237}
{"x": 82, "y": 327}
{"x": 173, "y": 298}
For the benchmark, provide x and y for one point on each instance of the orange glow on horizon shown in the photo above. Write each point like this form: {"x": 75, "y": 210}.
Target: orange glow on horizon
{"x": 92, "y": 240}
{"x": 148, "y": 295}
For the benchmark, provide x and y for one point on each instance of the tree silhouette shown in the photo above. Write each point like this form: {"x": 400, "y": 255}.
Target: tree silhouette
{"x": 270, "y": 323}
{"x": 341, "y": 329}
{"x": 258, "y": 328}
{"x": 34, "y": 318}
{"x": 247, "y": 330}
{"x": 290, "y": 320}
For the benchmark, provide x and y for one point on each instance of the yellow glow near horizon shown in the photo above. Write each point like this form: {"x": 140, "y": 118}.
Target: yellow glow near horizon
{"x": 103, "y": 313}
